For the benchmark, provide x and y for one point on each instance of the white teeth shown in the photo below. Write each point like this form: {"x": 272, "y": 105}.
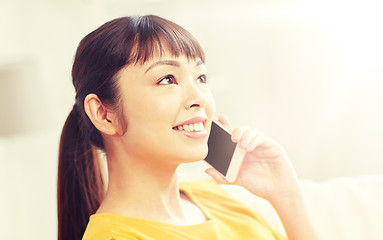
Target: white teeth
{"x": 193, "y": 127}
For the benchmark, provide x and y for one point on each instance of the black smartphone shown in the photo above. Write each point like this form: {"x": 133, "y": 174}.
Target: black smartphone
{"x": 224, "y": 155}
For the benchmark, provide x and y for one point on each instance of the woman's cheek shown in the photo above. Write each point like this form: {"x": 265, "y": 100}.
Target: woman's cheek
{"x": 210, "y": 106}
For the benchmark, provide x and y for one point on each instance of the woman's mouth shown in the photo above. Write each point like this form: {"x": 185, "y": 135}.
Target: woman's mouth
{"x": 192, "y": 127}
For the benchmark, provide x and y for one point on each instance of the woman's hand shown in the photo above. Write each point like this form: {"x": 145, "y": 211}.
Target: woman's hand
{"x": 266, "y": 170}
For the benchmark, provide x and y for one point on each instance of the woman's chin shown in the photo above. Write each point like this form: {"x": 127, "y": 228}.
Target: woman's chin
{"x": 194, "y": 156}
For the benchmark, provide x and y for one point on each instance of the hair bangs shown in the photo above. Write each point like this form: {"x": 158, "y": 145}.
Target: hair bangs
{"x": 154, "y": 36}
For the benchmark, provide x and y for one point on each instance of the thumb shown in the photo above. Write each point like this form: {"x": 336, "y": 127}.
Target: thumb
{"x": 217, "y": 176}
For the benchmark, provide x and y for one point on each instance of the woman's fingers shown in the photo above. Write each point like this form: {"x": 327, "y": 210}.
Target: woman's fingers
{"x": 261, "y": 140}
{"x": 247, "y": 138}
{"x": 225, "y": 121}
{"x": 237, "y": 134}
{"x": 256, "y": 141}
{"x": 251, "y": 139}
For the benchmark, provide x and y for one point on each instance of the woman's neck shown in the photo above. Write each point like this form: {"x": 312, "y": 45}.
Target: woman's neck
{"x": 142, "y": 189}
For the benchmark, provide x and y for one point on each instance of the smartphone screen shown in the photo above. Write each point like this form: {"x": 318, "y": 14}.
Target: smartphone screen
{"x": 221, "y": 149}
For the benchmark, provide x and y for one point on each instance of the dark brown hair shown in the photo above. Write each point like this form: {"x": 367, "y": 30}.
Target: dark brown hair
{"x": 99, "y": 57}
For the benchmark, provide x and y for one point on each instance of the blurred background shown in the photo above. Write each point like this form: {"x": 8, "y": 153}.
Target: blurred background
{"x": 309, "y": 74}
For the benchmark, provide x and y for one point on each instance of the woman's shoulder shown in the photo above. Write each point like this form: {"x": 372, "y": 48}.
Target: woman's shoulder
{"x": 209, "y": 193}
{"x": 104, "y": 226}
{"x": 208, "y": 188}
{"x": 233, "y": 196}
{"x": 98, "y": 228}
{"x": 201, "y": 185}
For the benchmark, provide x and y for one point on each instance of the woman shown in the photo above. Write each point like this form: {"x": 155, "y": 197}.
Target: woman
{"x": 142, "y": 98}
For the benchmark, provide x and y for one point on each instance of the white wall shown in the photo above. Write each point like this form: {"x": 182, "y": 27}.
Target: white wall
{"x": 307, "y": 73}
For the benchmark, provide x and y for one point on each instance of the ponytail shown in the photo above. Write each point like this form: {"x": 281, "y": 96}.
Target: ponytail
{"x": 80, "y": 185}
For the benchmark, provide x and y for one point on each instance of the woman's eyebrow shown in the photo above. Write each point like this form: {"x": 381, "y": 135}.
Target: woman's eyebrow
{"x": 163, "y": 62}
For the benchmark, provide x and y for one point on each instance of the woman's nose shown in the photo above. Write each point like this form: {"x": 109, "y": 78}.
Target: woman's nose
{"x": 194, "y": 97}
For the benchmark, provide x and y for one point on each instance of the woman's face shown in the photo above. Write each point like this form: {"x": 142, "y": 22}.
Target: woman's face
{"x": 168, "y": 109}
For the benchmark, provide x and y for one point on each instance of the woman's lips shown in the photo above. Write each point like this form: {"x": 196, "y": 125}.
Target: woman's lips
{"x": 194, "y": 124}
{"x": 192, "y": 134}
{"x": 192, "y": 128}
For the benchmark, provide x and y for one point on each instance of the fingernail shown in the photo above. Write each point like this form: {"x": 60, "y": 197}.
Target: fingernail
{"x": 235, "y": 137}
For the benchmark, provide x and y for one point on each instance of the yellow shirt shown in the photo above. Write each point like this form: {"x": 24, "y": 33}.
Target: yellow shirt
{"x": 228, "y": 219}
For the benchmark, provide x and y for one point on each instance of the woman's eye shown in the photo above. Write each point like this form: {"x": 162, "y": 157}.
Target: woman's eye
{"x": 202, "y": 79}
{"x": 167, "y": 80}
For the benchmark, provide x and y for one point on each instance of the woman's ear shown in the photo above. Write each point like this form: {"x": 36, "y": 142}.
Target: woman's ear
{"x": 101, "y": 118}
